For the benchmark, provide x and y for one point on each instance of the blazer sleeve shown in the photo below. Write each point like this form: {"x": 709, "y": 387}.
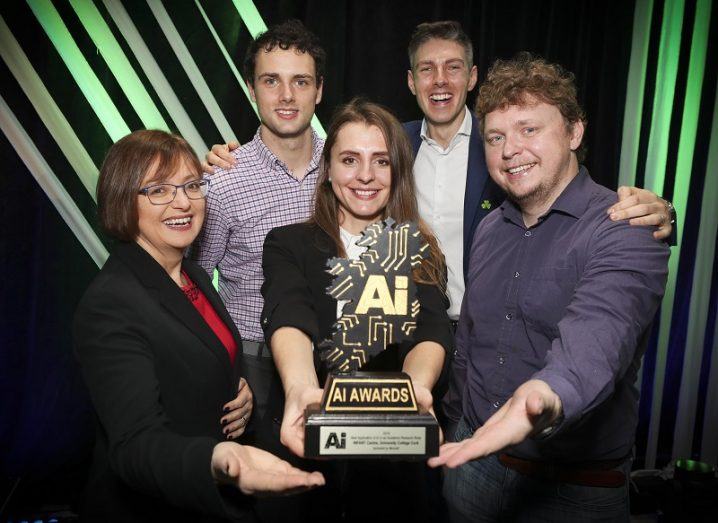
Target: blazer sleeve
{"x": 119, "y": 369}
{"x": 287, "y": 296}
{"x": 433, "y": 323}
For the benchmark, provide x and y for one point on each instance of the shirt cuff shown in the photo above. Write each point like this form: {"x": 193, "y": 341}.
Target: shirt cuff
{"x": 567, "y": 393}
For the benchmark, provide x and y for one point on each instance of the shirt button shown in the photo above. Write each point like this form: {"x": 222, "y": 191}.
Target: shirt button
{"x": 502, "y": 360}
{"x": 456, "y": 352}
{"x": 509, "y": 316}
{"x": 527, "y": 233}
{"x": 496, "y": 404}
{"x": 517, "y": 274}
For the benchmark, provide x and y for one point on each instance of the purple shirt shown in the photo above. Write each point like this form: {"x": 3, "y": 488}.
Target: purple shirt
{"x": 567, "y": 301}
{"x": 244, "y": 203}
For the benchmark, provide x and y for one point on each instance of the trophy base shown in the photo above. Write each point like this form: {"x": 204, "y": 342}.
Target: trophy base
{"x": 406, "y": 437}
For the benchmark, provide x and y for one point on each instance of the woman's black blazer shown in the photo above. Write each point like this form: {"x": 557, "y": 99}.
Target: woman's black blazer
{"x": 295, "y": 293}
{"x": 158, "y": 378}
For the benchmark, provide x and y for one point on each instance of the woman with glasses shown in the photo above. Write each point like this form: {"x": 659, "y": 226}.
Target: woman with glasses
{"x": 158, "y": 352}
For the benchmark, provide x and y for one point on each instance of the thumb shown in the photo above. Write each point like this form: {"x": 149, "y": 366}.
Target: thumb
{"x": 535, "y": 404}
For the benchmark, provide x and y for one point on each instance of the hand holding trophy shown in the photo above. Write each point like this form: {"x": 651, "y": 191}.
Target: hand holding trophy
{"x": 364, "y": 414}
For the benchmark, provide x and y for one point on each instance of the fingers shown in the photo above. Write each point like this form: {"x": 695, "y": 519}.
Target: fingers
{"x": 260, "y": 483}
{"x": 232, "y": 145}
{"x": 207, "y": 168}
{"x": 220, "y": 156}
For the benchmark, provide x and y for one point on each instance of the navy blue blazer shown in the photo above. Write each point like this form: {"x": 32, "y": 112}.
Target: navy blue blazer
{"x": 482, "y": 194}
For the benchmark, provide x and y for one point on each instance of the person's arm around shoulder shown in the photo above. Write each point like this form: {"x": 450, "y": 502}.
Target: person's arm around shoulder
{"x": 643, "y": 207}
{"x": 220, "y": 156}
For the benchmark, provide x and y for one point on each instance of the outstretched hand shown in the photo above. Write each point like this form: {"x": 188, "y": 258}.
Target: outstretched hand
{"x": 257, "y": 472}
{"x": 291, "y": 433}
{"x": 219, "y": 156}
{"x": 642, "y": 207}
{"x": 532, "y": 408}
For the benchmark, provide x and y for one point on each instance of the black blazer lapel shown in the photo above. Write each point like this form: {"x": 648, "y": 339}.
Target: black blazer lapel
{"x": 476, "y": 176}
{"x": 171, "y": 297}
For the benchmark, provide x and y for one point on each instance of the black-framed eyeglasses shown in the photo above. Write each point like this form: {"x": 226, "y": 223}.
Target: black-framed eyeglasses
{"x": 164, "y": 193}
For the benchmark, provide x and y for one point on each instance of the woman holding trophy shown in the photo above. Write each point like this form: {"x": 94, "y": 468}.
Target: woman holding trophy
{"x": 365, "y": 177}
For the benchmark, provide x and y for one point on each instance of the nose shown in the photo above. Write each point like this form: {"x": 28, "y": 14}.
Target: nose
{"x": 366, "y": 173}
{"x": 287, "y": 93}
{"x": 512, "y": 146}
{"x": 440, "y": 76}
{"x": 181, "y": 201}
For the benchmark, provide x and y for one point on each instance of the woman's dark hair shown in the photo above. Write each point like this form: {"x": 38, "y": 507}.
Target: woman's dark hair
{"x": 288, "y": 35}
{"x": 127, "y": 163}
{"x": 402, "y": 206}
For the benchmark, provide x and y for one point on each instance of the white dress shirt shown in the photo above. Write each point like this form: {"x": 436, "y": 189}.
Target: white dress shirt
{"x": 440, "y": 176}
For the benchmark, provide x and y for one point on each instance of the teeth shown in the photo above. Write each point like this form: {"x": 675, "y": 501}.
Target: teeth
{"x": 286, "y": 111}
{"x": 440, "y": 97}
{"x": 365, "y": 193}
{"x": 178, "y": 221}
{"x": 520, "y": 168}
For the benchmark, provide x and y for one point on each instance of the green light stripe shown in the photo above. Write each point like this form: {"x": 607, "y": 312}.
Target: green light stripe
{"x": 634, "y": 93}
{"x": 705, "y": 249}
{"x": 41, "y": 171}
{"x": 250, "y": 16}
{"x": 50, "y": 114}
{"x": 667, "y": 70}
{"x": 155, "y": 75}
{"x": 81, "y": 71}
{"x": 191, "y": 69}
{"x": 253, "y": 20}
{"x": 227, "y": 58}
{"x": 118, "y": 63}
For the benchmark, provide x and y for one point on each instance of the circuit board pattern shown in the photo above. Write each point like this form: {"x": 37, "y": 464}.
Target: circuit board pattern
{"x": 382, "y": 307}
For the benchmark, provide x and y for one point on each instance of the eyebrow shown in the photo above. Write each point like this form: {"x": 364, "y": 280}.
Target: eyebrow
{"x": 449, "y": 61}
{"x": 352, "y": 151}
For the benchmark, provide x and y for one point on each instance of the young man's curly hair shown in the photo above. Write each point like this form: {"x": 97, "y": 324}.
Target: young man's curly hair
{"x": 287, "y": 35}
{"x": 526, "y": 79}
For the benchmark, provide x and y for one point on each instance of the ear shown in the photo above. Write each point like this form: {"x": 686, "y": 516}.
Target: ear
{"x": 320, "y": 90}
{"x": 576, "y": 134}
{"x": 410, "y": 81}
{"x": 473, "y": 77}
{"x": 252, "y": 96}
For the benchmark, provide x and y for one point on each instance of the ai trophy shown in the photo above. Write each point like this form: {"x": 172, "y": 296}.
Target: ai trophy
{"x": 368, "y": 414}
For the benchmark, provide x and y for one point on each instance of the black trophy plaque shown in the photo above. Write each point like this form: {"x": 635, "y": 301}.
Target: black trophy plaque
{"x": 368, "y": 414}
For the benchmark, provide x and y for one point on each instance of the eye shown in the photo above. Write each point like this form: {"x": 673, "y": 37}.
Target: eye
{"x": 384, "y": 162}
{"x": 530, "y": 130}
{"x": 349, "y": 160}
{"x": 157, "y": 190}
{"x": 494, "y": 139}
{"x": 270, "y": 81}
{"x": 302, "y": 82}
{"x": 194, "y": 186}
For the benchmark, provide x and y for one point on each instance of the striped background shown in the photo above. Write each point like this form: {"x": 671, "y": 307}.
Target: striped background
{"x": 86, "y": 72}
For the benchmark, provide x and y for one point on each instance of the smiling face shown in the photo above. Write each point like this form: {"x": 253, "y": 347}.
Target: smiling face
{"x": 360, "y": 175}
{"x": 286, "y": 91}
{"x": 440, "y": 80}
{"x": 530, "y": 152}
{"x": 166, "y": 230}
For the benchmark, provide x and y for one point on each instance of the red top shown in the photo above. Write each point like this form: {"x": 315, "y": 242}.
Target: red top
{"x": 200, "y": 302}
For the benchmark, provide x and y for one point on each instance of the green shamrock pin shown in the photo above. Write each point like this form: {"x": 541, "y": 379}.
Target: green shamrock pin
{"x": 486, "y": 204}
